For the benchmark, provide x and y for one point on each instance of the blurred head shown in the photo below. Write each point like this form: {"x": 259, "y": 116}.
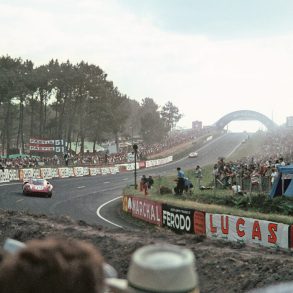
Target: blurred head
{"x": 53, "y": 266}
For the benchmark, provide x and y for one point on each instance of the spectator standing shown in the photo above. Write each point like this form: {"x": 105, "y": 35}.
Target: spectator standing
{"x": 66, "y": 158}
{"x": 143, "y": 183}
{"x": 180, "y": 181}
{"x": 236, "y": 189}
{"x": 198, "y": 174}
{"x": 150, "y": 182}
{"x": 274, "y": 175}
{"x": 187, "y": 185}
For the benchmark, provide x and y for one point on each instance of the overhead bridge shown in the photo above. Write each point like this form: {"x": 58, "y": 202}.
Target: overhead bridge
{"x": 245, "y": 115}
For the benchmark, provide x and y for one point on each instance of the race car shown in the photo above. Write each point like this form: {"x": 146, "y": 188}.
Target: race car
{"x": 193, "y": 155}
{"x": 38, "y": 187}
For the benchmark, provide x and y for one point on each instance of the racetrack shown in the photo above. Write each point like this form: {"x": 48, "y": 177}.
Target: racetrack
{"x": 222, "y": 266}
{"x": 96, "y": 200}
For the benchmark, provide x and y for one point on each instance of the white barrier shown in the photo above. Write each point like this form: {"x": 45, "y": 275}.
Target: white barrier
{"x": 94, "y": 171}
{"x": 13, "y": 175}
{"x": 26, "y": 173}
{"x": 78, "y": 171}
{"x": 86, "y": 171}
{"x": 153, "y": 163}
{"x": 64, "y": 172}
{"x": 54, "y": 172}
{"x": 4, "y": 176}
{"x": 114, "y": 170}
{"x": 105, "y": 171}
{"x": 46, "y": 173}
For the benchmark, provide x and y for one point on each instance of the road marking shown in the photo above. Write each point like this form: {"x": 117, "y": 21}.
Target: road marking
{"x": 100, "y": 216}
{"x": 124, "y": 179}
{"x": 106, "y": 182}
{"x": 80, "y": 187}
{"x": 20, "y": 200}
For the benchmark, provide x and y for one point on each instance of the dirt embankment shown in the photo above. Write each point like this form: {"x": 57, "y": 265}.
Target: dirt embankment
{"x": 222, "y": 266}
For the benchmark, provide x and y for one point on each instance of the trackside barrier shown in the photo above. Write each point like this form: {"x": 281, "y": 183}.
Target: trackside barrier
{"x": 36, "y": 173}
{"x": 153, "y": 163}
{"x": 25, "y": 174}
{"x": 94, "y": 171}
{"x": 217, "y": 226}
{"x": 78, "y": 171}
{"x": 86, "y": 171}
{"x": 114, "y": 170}
{"x": 141, "y": 164}
{"x": 147, "y": 210}
{"x": 54, "y": 172}
{"x": 247, "y": 230}
{"x": 13, "y": 175}
{"x": 4, "y": 176}
{"x": 122, "y": 168}
{"x": 46, "y": 173}
{"x": 105, "y": 171}
{"x": 178, "y": 219}
{"x": 128, "y": 166}
{"x": 64, "y": 172}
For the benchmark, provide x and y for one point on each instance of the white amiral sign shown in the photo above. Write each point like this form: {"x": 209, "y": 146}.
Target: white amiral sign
{"x": 247, "y": 230}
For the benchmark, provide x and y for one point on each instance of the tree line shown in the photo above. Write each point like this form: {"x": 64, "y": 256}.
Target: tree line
{"x": 74, "y": 102}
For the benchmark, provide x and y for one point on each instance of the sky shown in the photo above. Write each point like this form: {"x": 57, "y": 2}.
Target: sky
{"x": 209, "y": 58}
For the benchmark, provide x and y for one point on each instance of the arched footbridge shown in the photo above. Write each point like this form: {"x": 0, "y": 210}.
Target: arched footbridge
{"x": 245, "y": 115}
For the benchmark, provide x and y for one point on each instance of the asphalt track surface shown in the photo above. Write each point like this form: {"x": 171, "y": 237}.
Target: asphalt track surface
{"x": 97, "y": 199}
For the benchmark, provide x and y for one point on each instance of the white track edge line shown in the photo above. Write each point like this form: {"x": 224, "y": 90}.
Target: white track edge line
{"x": 100, "y": 216}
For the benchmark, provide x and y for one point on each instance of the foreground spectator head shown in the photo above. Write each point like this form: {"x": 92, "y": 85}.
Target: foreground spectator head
{"x": 159, "y": 268}
{"x": 53, "y": 266}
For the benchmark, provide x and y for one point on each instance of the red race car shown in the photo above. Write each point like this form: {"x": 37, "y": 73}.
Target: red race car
{"x": 38, "y": 187}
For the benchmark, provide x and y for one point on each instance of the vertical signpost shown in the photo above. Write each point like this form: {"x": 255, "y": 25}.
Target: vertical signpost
{"x": 135, "y": 153}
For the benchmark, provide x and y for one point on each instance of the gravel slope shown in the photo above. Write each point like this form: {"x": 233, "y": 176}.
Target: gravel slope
{"x": 222, "y": 266}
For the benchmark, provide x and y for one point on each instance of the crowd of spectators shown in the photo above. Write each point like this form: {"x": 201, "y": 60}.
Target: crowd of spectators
{"x": 277, "y": 150}
{"x": 175, "y": 139}
{"x": 100, "y": 158}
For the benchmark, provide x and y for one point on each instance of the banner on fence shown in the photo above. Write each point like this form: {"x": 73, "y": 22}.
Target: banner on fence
{"x": 247, "y": 230}
{"x": 147, "y": 210}
{"x": 177, "y": 218}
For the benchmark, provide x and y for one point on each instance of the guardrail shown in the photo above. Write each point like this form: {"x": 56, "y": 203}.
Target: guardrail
{"x": 9, "y": 175}
{"x": 216, "y": 226}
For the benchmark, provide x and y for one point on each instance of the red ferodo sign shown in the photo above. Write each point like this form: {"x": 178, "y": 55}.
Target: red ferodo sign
{"x": 247, "y": 230}
{"x": 149, "y": 211}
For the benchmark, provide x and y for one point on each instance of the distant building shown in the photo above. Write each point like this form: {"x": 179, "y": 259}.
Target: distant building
{"x": 289, "y": 121}
{"x": 197, "y": 125}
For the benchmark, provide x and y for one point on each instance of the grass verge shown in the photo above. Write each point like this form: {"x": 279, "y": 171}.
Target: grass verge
{"x": 254, "y": 205}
